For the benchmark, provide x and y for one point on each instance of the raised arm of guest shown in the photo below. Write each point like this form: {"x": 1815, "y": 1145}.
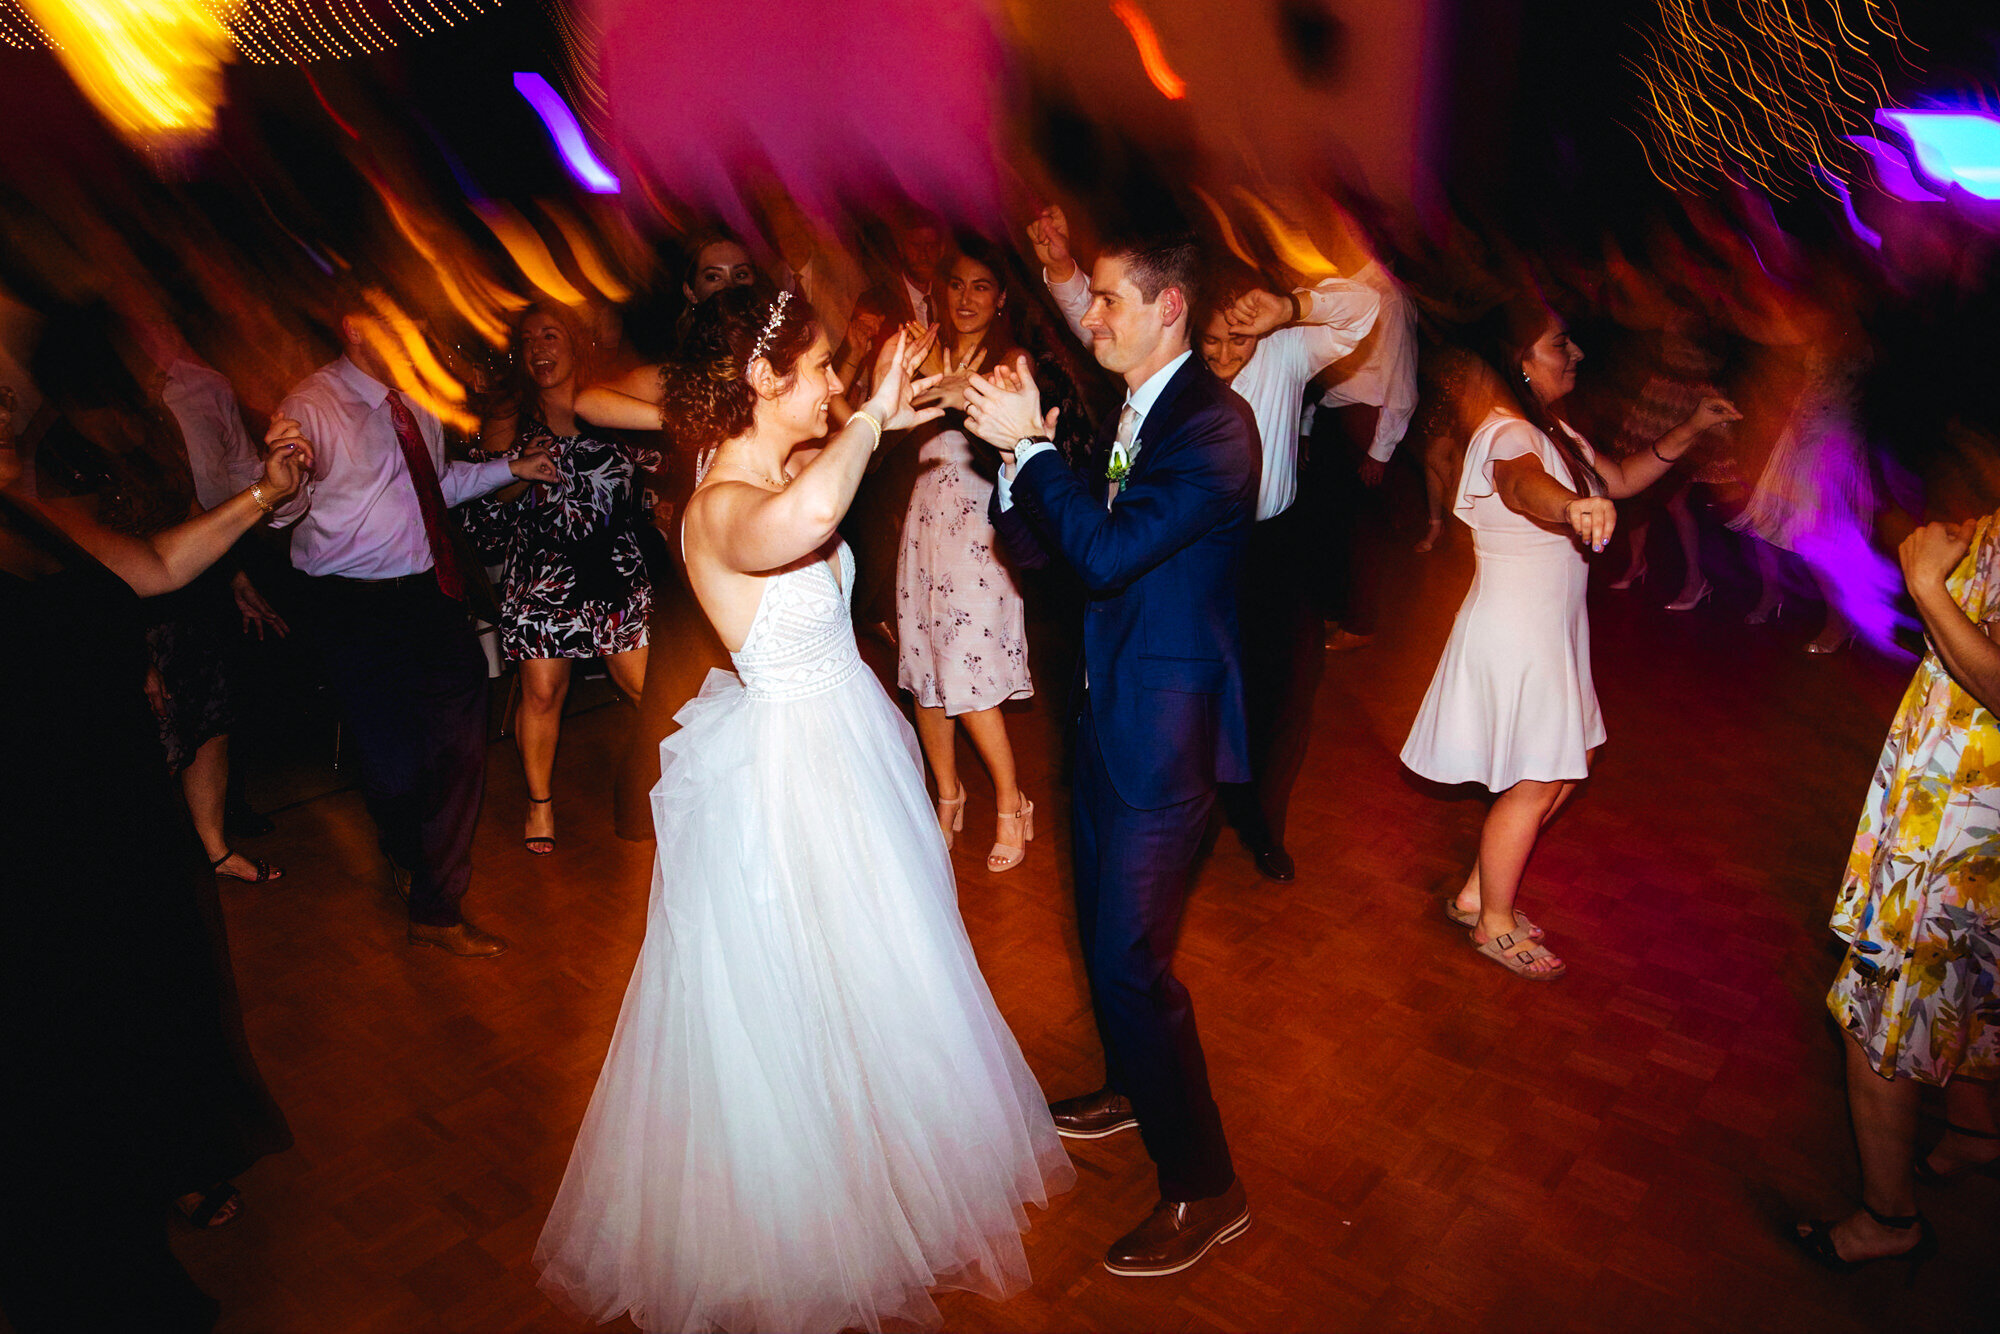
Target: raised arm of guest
{"x": 173, "y": 557}
{"x": 1929, "y": 556}
{"x": 629, "y": 403}
{"x": 1310, "y": 327}
{"x": 1066, "y": 279}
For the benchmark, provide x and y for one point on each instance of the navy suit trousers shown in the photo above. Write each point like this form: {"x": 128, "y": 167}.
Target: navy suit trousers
{"x": 412, "y": 685}
{"x": 1133, "y": 870}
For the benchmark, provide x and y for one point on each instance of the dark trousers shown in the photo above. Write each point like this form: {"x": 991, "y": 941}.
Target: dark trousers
{"x": 411, "y": 680}
{"x": 1132, "y": 874}
{"x": 1283, "y": 661}
{"x": 1339, "y": 573}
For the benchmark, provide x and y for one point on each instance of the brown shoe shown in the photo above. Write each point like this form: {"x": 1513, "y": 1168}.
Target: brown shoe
{"x": 463, "y": 939}
{"x": 1093, "y": 1116}
{"x": 1178, "y": 1233}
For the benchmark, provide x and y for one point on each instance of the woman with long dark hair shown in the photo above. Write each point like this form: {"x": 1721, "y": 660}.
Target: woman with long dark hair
{"x": 575, "y": 584}
{"x": 1511, "y": 705}
{"x": 961, "y": 638}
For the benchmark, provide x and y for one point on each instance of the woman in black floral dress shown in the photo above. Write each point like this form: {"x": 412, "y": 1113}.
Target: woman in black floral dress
{"x": 576, "y": 583}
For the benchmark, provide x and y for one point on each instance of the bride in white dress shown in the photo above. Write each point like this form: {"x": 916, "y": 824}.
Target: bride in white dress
{"x": 811, "y": 1112}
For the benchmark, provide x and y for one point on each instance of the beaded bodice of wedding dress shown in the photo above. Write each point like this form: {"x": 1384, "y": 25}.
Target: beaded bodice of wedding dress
{"x": 801, "y": 641}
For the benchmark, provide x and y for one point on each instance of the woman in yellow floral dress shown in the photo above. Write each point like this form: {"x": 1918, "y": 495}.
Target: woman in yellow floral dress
{"x": 1919, "y": 992}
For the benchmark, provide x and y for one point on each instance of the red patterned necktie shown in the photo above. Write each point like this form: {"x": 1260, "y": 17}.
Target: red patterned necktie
{"x": 430, "y": 496}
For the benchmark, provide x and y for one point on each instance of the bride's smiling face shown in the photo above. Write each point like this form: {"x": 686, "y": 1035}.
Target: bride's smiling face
{"x": 799, "y": 408}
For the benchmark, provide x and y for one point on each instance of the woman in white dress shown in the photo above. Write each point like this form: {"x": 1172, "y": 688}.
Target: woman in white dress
{"x": 1511, "y": 705}
{"x": 811, "y": 1111}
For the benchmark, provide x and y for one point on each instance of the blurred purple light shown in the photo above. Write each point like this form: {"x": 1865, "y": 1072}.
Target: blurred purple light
{"x": 562, "y": 127}
{"x": 1957, "y": 147}
{"x": 1892, "y": 171}
{"x": 1868, "y": 235}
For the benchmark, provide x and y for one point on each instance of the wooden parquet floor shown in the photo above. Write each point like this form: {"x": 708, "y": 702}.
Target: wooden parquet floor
{"x": 1428, "y": 1144}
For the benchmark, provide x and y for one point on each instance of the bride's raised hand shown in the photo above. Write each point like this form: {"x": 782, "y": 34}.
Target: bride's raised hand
{"x": 893, "y": 402}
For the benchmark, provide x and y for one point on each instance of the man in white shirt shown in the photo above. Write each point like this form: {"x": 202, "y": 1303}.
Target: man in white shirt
{"x": 1267, "y": 348}
{"x": 384, "y": 604}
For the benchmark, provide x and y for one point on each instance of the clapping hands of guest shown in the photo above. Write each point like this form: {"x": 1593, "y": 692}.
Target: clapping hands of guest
{"x": 949, "y": 389}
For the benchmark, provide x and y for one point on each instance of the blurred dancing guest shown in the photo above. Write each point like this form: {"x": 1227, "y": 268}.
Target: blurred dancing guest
{"x": 1154, "y": 528}
{"x": 875, "y": 524}
{"x": 384, "y": 604}
{"x": 961, "y": 638}
{"x": 1918, "y": 995}
{"x": 1359, "y": 421}
{"x": 119, "y": 444}
{"x": 1815, "y": 497}
{"x": 576, "y": 584}
{"x": 1267, "y": 348}
{"x": 1511, "y": 705}
{"x": 128, "y": 1081}
{"x": 811, "y": 1111}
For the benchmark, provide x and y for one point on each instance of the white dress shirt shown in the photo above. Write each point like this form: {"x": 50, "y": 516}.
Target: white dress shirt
{"x": 1140, "y": 400}
{"x": 358, "y": 517}
{"x": 920, "y": 300}
{"x": 219, "y": 451}
{"x": 1339, "y": 314}
{"x": 1384, "y": 372}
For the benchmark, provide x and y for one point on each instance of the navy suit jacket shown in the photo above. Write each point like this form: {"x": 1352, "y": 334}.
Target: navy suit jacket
{"x": 1160, "y": 644}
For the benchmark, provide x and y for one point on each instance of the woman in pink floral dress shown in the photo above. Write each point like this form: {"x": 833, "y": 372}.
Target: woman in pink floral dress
{"x": 963, "y": 650}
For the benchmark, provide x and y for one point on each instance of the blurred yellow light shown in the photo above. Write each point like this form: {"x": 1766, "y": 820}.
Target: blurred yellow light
{"x": 153, "y": 67}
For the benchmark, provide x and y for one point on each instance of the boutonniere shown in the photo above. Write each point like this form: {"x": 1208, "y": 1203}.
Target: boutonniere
{"x": 1120, "y": 466}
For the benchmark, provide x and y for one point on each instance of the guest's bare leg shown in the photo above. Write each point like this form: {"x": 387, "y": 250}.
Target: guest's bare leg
{"x": 988, "y": 731}
{"x": 1770, "y": 582}
{"x": 1635, "y": 553}
{"x": 1505, "y": 842}
{"x": 537, "y": 727}
{"x": 205, "y": 784}
{"x": 1469, "y": 895}
{"x": 1884, "y": 1113}
{"x": 628, "y": 672}
{"x": 1689, "y": 533}
{"x": 939, "y": 736}
{"x": 1968, "y": 1104}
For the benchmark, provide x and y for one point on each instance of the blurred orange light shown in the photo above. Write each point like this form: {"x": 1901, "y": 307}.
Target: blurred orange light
{"x": 1170, "y": 84}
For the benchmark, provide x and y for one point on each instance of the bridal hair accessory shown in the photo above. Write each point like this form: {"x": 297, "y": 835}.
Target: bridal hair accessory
{"x": 770, "y": 327}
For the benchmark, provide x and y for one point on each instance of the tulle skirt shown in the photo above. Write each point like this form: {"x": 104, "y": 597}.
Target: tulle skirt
{"x": 811, "y": 1111}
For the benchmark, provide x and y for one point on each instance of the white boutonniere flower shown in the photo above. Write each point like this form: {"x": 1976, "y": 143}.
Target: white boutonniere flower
{"x": 1120, "y": 466}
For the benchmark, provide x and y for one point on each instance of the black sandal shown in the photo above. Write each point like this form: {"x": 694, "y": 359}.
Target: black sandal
{"x": 1930, "y": 1176}
{"x": 202, "y": 1215}
{"x": 1817, "y": 1242}
{"x": 541, "y": 845}
{"x": 265, "y": 871}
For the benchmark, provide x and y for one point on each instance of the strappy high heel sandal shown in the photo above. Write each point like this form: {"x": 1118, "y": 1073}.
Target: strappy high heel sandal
{"x": 1007, "y": 856}
{"x": 951, "y": 816}
{"x": 1817, "y": 1241}
{"x": 1930, "y": 1176}
{"x": 1765, "y": 615}
{"x": 541, "y": 845}
{"x": 1693, "y": 600}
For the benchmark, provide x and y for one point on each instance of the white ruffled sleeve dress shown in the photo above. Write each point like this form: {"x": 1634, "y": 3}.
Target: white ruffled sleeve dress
{"x": 1512, "y": 698}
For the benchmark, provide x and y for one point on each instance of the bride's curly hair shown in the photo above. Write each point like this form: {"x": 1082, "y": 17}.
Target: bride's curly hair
{"x": 705, "y": 392}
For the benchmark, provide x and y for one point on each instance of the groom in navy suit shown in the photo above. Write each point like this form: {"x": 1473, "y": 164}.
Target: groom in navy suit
{"x": 1154, "y": 527}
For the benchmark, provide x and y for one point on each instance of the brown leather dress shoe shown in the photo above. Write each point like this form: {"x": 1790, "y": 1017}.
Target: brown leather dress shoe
{"x": 463, "y": 939}
{"x": 1093, "y": 1115}
{"x": 1178, "y": 1233}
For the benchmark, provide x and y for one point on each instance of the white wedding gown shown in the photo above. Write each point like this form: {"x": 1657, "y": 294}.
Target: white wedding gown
{"x": 811, "y": 1111}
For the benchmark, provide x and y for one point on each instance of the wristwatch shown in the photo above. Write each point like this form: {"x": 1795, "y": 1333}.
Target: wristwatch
{"x": 1027, "y": 440}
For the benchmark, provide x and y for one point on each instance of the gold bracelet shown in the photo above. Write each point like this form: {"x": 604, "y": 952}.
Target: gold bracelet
{"x": 869, "y": 417}
{"x": 257, "y": 498}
